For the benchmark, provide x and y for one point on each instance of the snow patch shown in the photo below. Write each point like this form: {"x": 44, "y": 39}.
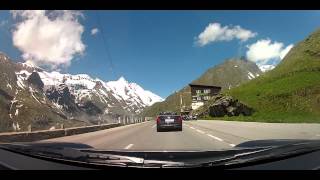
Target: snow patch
{"x": 32, "y": 94}
{"x": 57, "y": 105}
{"x": 266, "y": 67}
{"x": 21, "y": 77}
{"x": 19, "y": 106}
{"x": 20, "y": 83}
{"x": 17, "y": 112}
{"x": 9, "y": 86}
{"x": 250, "y": 75}
{"x": 16, "y": 126}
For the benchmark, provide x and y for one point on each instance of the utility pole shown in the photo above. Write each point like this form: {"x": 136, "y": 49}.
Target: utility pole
{"x": 180, "y": 102}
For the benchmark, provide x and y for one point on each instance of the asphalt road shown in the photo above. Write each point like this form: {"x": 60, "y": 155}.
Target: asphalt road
{"x": 196, "y": 135}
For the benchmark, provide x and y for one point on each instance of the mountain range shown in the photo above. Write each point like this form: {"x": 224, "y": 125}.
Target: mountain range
{"x": 31, "y": 95}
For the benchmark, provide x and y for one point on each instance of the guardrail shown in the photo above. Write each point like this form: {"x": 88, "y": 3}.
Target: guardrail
{"x": 133, "y": 119}
{"x": 48, "y": 134}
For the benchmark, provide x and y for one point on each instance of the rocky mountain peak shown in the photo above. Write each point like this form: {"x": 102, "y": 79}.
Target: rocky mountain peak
{"x": 122, "y": 79}
{"x": 98, "y": 85}
{"x": 35, "y": 80}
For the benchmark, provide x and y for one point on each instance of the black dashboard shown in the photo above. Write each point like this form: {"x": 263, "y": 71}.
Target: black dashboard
{"x": 10, "y": 160}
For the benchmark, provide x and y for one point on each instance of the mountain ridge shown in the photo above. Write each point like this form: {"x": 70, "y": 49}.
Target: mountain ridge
{"x": 229, "y": 74}
{"x": 31, "y": 95}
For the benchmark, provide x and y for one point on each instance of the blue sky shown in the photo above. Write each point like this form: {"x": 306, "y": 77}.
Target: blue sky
{"x": 157, "y": 49}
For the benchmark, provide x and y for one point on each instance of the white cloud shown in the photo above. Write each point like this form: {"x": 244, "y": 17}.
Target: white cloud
{"x": 284, "y": 52}
{"x": 265, "y": 52}
{"x": 94, "y": 31}
{"x": 215, "y": 32}
{"x": 50, "y": 38}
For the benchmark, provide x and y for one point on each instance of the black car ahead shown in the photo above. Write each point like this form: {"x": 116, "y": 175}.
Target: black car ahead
{"x": 169, "y": 121}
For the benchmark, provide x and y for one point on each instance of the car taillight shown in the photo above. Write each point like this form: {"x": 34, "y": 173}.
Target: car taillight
{"x": 158, "y": 119}
{"x": 180, "y": 119}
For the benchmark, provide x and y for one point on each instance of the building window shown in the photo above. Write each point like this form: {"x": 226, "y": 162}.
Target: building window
{"x": 199, "y": 98}
{"x": 198, "y": 91}
{"x": 206, "y": 97}
{"x": 207, "y": 91}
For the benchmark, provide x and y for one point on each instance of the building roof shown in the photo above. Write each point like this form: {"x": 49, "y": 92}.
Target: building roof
{"x": 204, "y": 85}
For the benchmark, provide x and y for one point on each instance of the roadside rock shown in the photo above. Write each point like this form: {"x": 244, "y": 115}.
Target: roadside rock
{"x": 226, "y": 106}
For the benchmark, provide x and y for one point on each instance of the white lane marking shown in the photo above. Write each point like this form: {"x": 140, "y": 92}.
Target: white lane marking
{"x": 192, "y": 127}
{"x": 199, "y": 131}
{"x": 154, "y": 126}
{"x": 214, "y": 137}
{"x": 129, "y": 146}
{"x": 232, "y": 145}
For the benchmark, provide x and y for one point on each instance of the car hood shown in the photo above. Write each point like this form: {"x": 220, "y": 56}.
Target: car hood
{"x": 170, "y": 155}
{"x": 244, "y": 145}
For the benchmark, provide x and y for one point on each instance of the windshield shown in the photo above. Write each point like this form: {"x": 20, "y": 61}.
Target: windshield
{"x": 160, "y": 81}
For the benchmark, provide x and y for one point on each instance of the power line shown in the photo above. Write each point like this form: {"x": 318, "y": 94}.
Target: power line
{"x": 112, "y": 70}
{"x": 239, "y": 49}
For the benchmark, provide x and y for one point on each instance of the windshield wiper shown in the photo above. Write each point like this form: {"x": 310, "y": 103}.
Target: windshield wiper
{"x": 123, "y": 161}
{"x": 90, "y": 158}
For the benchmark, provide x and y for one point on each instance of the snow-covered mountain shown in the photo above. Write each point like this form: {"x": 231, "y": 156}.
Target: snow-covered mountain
{"x": 129, "y": 96}
{"x": 31, "y": 95}
{"x": 132, "y": 92}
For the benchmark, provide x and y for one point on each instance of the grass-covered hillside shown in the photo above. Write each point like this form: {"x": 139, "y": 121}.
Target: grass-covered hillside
{"x": 291, "y": 91}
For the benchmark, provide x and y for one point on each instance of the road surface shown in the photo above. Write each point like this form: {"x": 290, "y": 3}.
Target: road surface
{"x": 196, "y": 135}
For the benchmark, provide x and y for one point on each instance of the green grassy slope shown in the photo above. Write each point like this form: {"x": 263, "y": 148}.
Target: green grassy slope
{"x": 291, "y": 91}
